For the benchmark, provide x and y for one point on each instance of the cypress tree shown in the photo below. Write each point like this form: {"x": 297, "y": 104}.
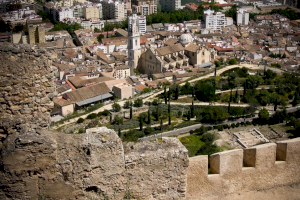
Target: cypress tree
{"x": 165, "y": 94}
{"x": 192, "y": 110}
{"x": 169, "y": 113}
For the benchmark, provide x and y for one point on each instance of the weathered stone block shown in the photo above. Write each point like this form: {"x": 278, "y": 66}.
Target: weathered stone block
{"x": 261, "y": 156}
{"x": 228, "y": 162}
{"x": 288, "y": 150}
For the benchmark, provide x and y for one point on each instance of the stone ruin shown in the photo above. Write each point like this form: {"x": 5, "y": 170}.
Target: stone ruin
{"x": 37, "y": 163}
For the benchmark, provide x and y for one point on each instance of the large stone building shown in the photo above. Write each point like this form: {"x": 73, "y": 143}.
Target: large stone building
{"x": 174, "y": 56}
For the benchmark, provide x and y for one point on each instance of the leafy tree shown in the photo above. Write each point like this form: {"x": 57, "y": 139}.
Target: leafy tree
{"x": 127, "y": 104}
{"x": 100, "y": 37}
{"x": 4, "y": 27}
{"x": 92, "y": 116}
{"x": 138, "y": 102}
{"x": 263, "y": 116}
{"x": 118, "y": 120}
{"x": 254, "y": 81}
{"x": 148, "y": 130}
{"x": 186, "y": 88}
{"x": 232, "y": 12}
{"x": 232, "y": 61}
{"x": 204, "y": 91}
{"x": 80, "y": 120}
{"x": 264, "y": 97}
{"x": 116, "y": 107}
{"x": 97, "y": 30}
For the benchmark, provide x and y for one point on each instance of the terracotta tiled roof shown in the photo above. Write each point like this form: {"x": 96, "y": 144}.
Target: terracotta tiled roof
{"x": 140, "y": 87}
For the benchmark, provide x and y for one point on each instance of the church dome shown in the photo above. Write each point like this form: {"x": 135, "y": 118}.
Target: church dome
{"x": 185, "y": 38}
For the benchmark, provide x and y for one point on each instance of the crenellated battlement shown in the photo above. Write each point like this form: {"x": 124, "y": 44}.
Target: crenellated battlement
{"x": 261, "y": 167}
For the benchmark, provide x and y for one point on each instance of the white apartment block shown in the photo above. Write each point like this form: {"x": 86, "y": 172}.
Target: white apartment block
{"x": 242, "y": 17}
{"x": 169, "y": 5}
{"x": 140, "y": 22}
{"x": 62, "y": 12}
{"x": 114, "y": 10}
{"x": 214, "y": 21}
{"x": 77, "y": 11}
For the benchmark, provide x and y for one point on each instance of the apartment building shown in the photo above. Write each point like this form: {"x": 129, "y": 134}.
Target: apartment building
{"x": 144, "y": 7}
{"x": 77, "y": 11}
{"x": 140, "y": 22}
{"x": 61, "y": 13}
{"x": 114, "y": 10}
{"x": 90, "y": 12}
{"x": 242, "y": 17}
{"x": 214, "y": 21}
{"x": 169, "y": 5}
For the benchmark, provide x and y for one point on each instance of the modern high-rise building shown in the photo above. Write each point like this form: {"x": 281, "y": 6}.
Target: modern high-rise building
{"x": 214, "y": 21}
{"x": 140, "y": 22}
{"x": 114, "y": 10}
{"x": 169, "y": 5}
{"x": 134, "y": 47}
{"x": 242, "y": 17}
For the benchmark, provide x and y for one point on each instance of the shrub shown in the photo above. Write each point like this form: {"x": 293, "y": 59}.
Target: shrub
{"x": 99, "y": 114}
{"x": 92, "y": 116}
{"x": 116, "y": 107}
{"x": 220, "y": 128}
{"x": 80, "y": 120}
{"x": 81, "y": 130}
{"x": 233, "y": 125}
{"x": 237, "y": 125}
{"x": 105, "y": 113}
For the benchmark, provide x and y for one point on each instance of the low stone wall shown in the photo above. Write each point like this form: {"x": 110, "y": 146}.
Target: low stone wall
{"x": 258, "y": 168}
{"x": 92, "y": 165}
{"x": 157, "y": 170}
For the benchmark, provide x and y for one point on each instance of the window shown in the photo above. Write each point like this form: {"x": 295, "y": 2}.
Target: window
{"x": 150, "y": 57}
{"x": 203, "y": 53}
{"x": 136, "y": 42}
{"x": 193, "y": 54}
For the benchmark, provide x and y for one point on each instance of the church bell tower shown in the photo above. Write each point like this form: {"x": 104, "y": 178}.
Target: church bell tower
{"x": 134, "y": 48}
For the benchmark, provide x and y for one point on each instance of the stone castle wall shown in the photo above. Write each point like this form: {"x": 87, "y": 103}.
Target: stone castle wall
{"x": 258, "y": 168}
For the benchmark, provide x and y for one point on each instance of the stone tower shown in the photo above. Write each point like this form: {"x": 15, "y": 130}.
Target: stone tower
{"x": 31, "y": 34}
{"x": 134, "y": 48}
{"x": 41, "y": 34}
